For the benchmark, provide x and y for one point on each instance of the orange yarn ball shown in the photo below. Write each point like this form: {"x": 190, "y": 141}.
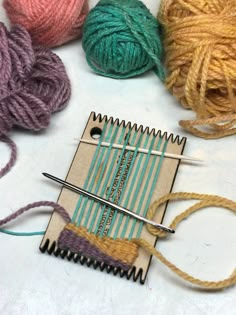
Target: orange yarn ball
{"x": 200, "y": 47}
{"x": 50, "y": 22}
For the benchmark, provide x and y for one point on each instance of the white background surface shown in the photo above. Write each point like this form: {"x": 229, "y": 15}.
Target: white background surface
{"x": 204, "y": 245}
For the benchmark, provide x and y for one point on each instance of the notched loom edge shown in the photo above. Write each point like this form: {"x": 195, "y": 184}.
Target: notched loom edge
{"x": 165, "y": 135}
{"x": 133, "y": 273}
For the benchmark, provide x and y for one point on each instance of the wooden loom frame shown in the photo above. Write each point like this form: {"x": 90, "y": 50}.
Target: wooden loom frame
{"x": 77, "y": 174}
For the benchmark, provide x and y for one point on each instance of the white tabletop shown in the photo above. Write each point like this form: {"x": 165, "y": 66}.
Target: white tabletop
{"x": 205, "y": 245}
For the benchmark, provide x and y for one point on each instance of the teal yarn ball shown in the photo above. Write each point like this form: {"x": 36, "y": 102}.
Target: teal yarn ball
{"x": 121, "y": 39}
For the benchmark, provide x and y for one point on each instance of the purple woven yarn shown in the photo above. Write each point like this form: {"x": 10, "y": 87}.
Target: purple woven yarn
{"x": 68, "y": 240}
{"x": 33, "y": 85}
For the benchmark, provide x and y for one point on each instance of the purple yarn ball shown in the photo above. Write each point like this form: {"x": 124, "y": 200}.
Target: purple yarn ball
{"x": 33, "y": 85}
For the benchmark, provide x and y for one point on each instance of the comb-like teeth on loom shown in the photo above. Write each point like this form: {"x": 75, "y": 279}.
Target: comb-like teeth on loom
{"x": 81, "y": 259}
{"x": 43, "y": 248}
{"x": 131, "y": 273}
{"x": 52, "y": 248}
{"x": 69, "y": 255}
{"x": 57, "y": 252}
{"x": 78, "y": 240}
{"x": 169, "y": 137}
{"x": 95, "y": 264}
{"x": 63, "y": 254}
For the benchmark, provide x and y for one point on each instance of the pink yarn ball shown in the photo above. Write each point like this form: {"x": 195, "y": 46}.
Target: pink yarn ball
{"x": 50, "y": 22}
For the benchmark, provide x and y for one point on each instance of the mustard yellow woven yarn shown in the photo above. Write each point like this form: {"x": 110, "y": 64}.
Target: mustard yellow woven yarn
{"x": 200, "y": 48}
{"x": 120, "y": 249}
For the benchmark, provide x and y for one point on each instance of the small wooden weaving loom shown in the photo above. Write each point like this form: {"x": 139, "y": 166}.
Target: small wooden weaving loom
{"x": 128, "y": 178}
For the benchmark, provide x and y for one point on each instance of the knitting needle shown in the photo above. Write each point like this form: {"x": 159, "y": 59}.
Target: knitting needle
{"x": 131, "y": 148}
{"x": 107, "y": 203}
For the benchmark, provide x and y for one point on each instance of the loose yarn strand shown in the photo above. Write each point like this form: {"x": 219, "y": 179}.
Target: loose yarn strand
{"x": 22, "y": 233}
{"x": 146, "y": 41}
{"x": 191, "y": 125}
{"x": 12, "y": 158}
{"x": 34, "y": 205}
{"x": 206, "y": 201}
{"x": 213, "y": 285}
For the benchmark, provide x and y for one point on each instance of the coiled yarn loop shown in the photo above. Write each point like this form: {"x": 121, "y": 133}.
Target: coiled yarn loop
{"x": 121, "y": 39}
{"x": 200, "y": 49}
{"x": 49, "y": 22}
{"x": 33, "y": 85}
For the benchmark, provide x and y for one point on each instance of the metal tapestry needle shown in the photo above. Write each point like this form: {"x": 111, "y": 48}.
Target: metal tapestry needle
{"x": 107, "y": 203}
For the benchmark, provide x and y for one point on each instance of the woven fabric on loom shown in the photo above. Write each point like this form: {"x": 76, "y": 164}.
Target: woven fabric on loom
{"x": 131, "y": 179}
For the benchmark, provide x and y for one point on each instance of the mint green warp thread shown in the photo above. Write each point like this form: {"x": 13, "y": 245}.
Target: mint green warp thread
{"x": 109, "y": 191}
{"x": 13, "y": 233}
{"x": 121, "y": 215}
{"x": 103, "y": 164}
{"x": 132, "y": 187}
{"x": 92, "y": 170}
{"x": 157, "y": 172}
{"x": 121, "y": 39}
{"x": 120, "y": 178}
{"x": 140, "y": 181}
{"x": 116, "y": 152}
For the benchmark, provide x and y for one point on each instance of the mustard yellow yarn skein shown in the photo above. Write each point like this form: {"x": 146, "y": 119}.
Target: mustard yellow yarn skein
{"x": 200, "y": 48}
